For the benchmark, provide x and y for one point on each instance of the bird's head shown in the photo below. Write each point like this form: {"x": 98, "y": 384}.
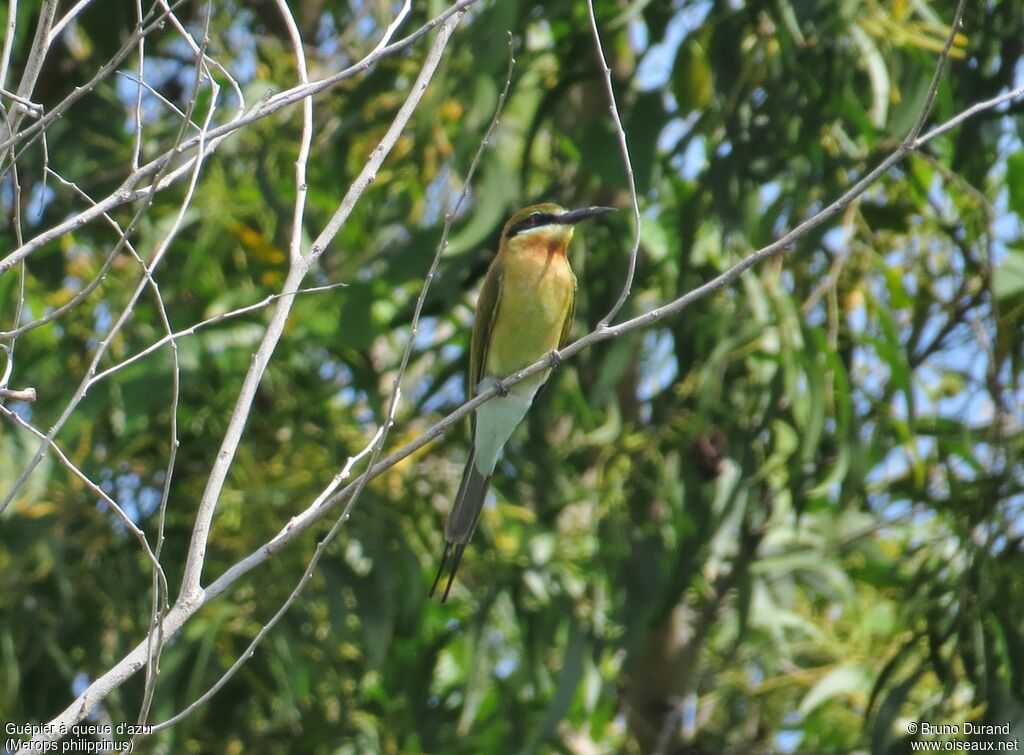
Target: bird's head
{"x": 547, "y": 226}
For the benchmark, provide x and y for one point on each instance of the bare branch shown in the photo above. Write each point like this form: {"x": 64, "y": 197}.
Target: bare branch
{"x": 159, "y": 589}
{"x": 66, "y": 19}
{"x": 22, "y": 394}
{"x": 137, "y": 146}
{"x": 973, "y": 110}
{"x": 295, "y": 247}
{"x": 5, "y": 56}
{"x": 307, "y": 574}
{"x": 34, "y": 64}
{"x": 933, "y": 87}
{"x": 33, "y": 109}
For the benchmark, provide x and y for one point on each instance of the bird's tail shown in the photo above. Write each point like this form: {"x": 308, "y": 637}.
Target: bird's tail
{"x": 462, "y": 521}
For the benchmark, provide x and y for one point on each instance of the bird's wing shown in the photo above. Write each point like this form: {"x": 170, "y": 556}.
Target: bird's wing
{"x": 567, "y": 325}
{"x": 563, "y": 339}
{"x": 483, "y": 324}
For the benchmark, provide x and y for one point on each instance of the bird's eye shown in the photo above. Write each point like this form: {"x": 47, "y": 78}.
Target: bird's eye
{"x": 535, "y": 218}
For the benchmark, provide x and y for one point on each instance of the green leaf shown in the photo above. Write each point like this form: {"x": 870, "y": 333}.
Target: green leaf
{"x": 654, "y": 238}
{"x": 882, "y": 734}
{"x": 878, "y": 73}
{"x": 692, "y": 79}
{"x": 577, "y": 648}
{"x": 1015, "y": 181}
{"x": 1008, "y": 277}
{"x": 847, "y": 680}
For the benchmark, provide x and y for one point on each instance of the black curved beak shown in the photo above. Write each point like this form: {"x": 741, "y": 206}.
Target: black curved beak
{"x": 575, "y": 216}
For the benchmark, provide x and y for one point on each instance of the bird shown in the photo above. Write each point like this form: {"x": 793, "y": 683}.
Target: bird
{"x": 524, "y": 312}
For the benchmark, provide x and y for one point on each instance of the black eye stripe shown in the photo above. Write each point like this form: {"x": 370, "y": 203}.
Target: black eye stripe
{"x": 533, "y": 220}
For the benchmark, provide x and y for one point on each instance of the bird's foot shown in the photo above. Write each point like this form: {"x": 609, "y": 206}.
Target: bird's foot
{"x": 500, "y": 388}
{"x": 555, "y": 358}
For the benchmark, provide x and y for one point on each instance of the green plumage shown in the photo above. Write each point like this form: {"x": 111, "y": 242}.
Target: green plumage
{"x": 525, "y": 311}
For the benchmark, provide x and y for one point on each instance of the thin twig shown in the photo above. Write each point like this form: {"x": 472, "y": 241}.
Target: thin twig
{"x": 130, "y": 191}
{"x": 199, "y": 50}
{"x": 11, "y": 32}
{"x": 620, "y": 132}
{"x": 373, "y": 447}
{"x": 933, "y": 87}
{"x": 154, "y": 93}
{"x": 34, "y": 64}
{"x": 137, "y": 145}
{"x": 19, "y": 308}
{"x": 298, "y": 215}
{"x": 83, "y": 293}
{"x": 191, "y": 591}
{"x": 392, "y": 28}
{"x": 106, "y": 70}
{"x": 66, "y": 19}
{"x": 129, "y": 308}
{"x": 8, "y": 368}
{"x": 193, "y": 329}
{"x": 160, "y": 593}
{"x": 126, "y": 520}
{"x": 973, "y": 110}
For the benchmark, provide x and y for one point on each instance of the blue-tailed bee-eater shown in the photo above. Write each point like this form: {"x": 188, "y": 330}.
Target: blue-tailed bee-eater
{"x": 525, "y": 310}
